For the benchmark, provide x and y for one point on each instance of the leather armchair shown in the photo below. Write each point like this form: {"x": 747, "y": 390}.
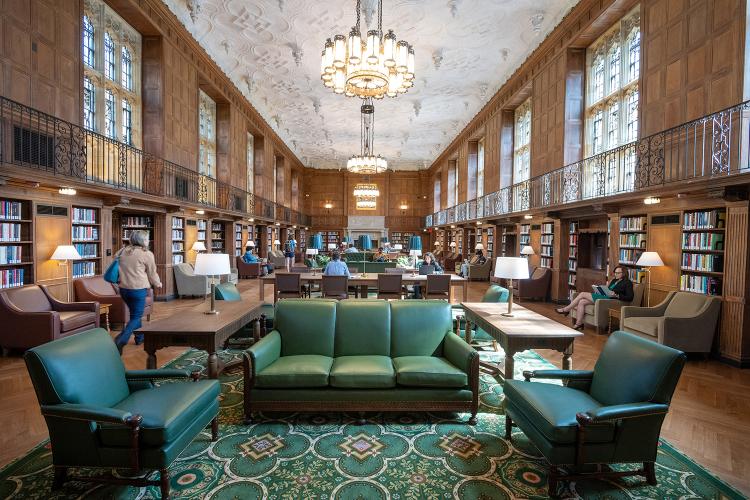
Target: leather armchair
{"x": 449, "y": 264}
{"x": 685, "y": 321}
{"x": 99, "y": 415}
{"x": 189, "y": 283}
{"x": 480, "y": 271}
{"x": 597, "y": 314}
{"x": 536, "y": 287}
{"x": 251, "y": 270}
{"x": 612, "y": 414}
{"x": 95, "y": 289}
{"x": 31, "y": 316}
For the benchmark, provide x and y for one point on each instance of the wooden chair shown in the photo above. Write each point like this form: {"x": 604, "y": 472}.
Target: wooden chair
{"x": 395, "y": 270}
{"x": 389, "y": 286}
{"x": 438, "y": 287}
{"x": 335, "y": 287}
{"x": 288, "y": 286}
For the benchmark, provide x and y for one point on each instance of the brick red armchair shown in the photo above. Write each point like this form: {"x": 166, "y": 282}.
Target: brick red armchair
{"x": 251, "y": 270}
{"x": 95, "y": 289}
{"x": 31, "y": 316}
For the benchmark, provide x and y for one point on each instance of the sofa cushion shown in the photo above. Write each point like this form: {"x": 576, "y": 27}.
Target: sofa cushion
{"x": 428, "y": 371}
{"x": 306, "y": 326}
{"x": 552, "y": 410}
{"x": 98, "y": 286}
{"x": 167, "y": 411}
{"x": 419, "y": 327}
{"x": 29, "y": 299}
{"x": 363, "y": 327}
{"x": 304, "y": 370}
{"x": 363, "y": 372}
{"x": 70, "y": 320}
{"x": 642, "y": 324}
{"x": 685, "y": 305}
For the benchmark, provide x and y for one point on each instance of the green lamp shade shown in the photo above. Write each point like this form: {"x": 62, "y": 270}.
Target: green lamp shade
{"x": 365, "y": 243}
{"x": 415, "y": 243}
{"x": 347, "y": 239}
{"x": 316, "y": 242}
{"x": 384, "y": 239}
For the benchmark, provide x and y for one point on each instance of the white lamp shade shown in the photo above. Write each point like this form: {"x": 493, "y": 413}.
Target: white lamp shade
{"x": 398, "y": 246}
{"x": 516, "y": 268}
{"x": 453, "y": 244}
{"x": 649, "y": 259}
{"x": 415, "y": 253}
{"x": 199, "y": 246}
{"x": 250, "y": 243}
{"x": 276, "y": 242}
{"x": 65, "y": 252}
{"x": 212, "y": 264}
{"x": 311, "y": 251}
{"x": 332, "y": 246}
{"x": 479, "y": 246}
{"x": 527, "y": 250}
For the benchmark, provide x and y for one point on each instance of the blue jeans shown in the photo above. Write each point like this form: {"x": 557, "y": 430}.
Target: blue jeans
{"x": 136, "y": 301}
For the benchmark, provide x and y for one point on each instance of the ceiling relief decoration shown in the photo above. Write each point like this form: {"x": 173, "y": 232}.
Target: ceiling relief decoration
{"x": 466, "y": 49}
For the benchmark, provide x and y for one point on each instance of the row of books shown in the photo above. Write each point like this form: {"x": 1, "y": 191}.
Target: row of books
{"x": 10, "y": 232}
{"x": 85, "y": 233}
{"x": 87, "y": 250}
{"x": 136, "y": 221}
{"x": 178, "y": 258}
{"x": 629, "y": 256}
{"x": 84, "y": 216}
{"x": 524, "y": 239}
{"x": 636, "y": 275}
{"x": 546, "y": 239}
{"x": 217, "y": 245}
{"x": 545, "y": 262}
{"x": 10, "y": 210}
{"x": 707, "y": 285}
{"x": 217, "y": 226}
{"x": 11, "y": 254}
{"x": 525, "y": 229}
{"x": 708, "y": 219}
{"x": 703, "y": 262}
{"x": 178, "y": 222}
{"x": 633, "y": 240}
{"x": 548, "y": 227}
{"x": 126, "y": 233}
{"x": 546, "y": 252}
{"x": 633, "y": 224}
{"x": 572, "y": 265}
{"x": 573, "y": 240}
{"x": 573, "y": 254}
{"x": 178, "y": 246}
{"x": 702, "y": 241}
{"x": 201, "y": 225}
{"x": 573, "y": 228}
{"x": 201, "y": 236}
{"x": 11, "y": 277}
{"x": 81, "y": 269}
{"x": 572, "y": 279}
{"x": 178, "y": 234}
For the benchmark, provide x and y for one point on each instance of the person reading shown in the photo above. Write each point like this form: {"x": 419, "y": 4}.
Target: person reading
{"x": 250, "y": 258}
{"x": 336, "y": 267}
{"x": 379, "y": 256}
{"x": 620, "y": 288}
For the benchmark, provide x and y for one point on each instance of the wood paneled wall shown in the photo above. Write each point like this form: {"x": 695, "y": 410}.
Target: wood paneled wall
{"x": 180, "y": 108}
{"x": 548, "y": 117}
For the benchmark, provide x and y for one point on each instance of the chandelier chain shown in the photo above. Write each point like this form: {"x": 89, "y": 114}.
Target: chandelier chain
{"x": 380, "y": 18}
{"x": 359, "y": 8}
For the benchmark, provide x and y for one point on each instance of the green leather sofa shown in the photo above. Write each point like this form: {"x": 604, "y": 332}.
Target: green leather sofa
{"x": 370, "y": 267}
{"x": 361, "y": 355}
{"x": 612, "y": 414}
{"x": 101, "y": 416}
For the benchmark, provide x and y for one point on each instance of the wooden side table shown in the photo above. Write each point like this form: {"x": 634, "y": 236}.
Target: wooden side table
{"x": 613, "y": 314}
{"x": 104, "y": 309}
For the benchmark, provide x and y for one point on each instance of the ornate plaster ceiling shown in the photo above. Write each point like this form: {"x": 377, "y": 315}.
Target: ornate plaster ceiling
{"x": 465, "y": 50}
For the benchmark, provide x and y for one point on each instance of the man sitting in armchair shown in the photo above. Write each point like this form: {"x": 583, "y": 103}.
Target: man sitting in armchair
{"x": 251, "y": 258}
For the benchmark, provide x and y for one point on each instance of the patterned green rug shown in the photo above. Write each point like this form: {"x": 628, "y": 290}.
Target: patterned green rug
{"x": 407, "y": 456}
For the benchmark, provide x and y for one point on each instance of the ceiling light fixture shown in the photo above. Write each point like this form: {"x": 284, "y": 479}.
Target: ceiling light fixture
{"x": 374, "y": 67}
{"x": 366, "y": 162}
{"x": 68, "y": 191}
{"x": 200, "y": 212}
{"x": 651, "y": 200}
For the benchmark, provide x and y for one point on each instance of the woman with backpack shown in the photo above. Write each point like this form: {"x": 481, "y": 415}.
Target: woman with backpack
{"x": 289, "y": 248}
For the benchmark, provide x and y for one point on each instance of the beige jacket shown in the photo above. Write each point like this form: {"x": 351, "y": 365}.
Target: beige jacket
{"x": 138, "y": 269}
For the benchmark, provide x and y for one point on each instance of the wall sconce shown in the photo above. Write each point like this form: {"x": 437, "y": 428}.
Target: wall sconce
{"x": 200, "y": 212}
{"x": 328, "y": 205}
{"x": 528, "y": 216}
{"x": 651, "y": 200}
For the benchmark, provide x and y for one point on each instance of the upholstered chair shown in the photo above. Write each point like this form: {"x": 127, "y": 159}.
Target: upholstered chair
{"x": 597, "y": 314}
{"x": 188, "y": 283}
{"x": 438, "y": 286}
{"x": 95, "y": 289}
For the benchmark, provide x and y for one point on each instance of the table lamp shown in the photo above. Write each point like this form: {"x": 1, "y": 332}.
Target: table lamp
{"x": 478, "y": 246}
{"x": 527, "y": 250}
{"x": 415, "y": 253}
{"x": 64, "y": 253}
{"x": 311, "y": 253}
{"x": 331, "y": 246}
{"x": 212, "y": 264}
{"x": 199, "y": 246}
{"x": 452, "y": 245}
{"x": 276, "y": 243}
{"x": 649, "y": 260}
{"x": 511, "y": 268}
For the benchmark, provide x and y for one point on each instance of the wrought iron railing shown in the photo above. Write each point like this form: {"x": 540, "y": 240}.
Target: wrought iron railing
{"x": 35, "y": 140}
{"x": 711, "y": 147}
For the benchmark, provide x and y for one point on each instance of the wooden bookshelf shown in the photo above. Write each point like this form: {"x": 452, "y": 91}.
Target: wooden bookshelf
{"x": 218, "y": 237}
{"x": 16, "y": 243}
{"x": 490, "y": 242}
{"x": 202, "y": 231}
{"x": 572, "y": 258}
{"x": 702, "y": 247}
{"x": 508, "y": 241}
{"x": 524, "y": 237}
{"x": 546, "y": 249}
{"x": 402, "y": 238}
{"x": 130, "y": 222}
{"x": 86, "y": 235}
{"x": 238, "y": 239}
{"x": 633, "y": 234}
{"x": 178, "y": 240}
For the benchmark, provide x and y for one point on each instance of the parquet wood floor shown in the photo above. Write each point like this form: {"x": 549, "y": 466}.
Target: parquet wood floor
{"x": 709, "y": 419}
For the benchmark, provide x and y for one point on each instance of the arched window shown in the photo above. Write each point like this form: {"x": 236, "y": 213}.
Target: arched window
{"x": 127, "y": 122}
{"x": 109, "y": 57}
{"x": 88, "y": 42}
{"x": 89, "y": 107}
{"x": 109, "y": 115}
{"x": 480, "y": 168}
{"x": 522, "y": 143}
{"x": 207, "y": 135}
{"x": 250, "y": 162}
{"x": 127, "y": 69}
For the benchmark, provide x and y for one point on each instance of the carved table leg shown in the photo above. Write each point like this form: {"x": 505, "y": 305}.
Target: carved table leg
{"x": 467, "y": 332}
{"x": 567, "y": 361}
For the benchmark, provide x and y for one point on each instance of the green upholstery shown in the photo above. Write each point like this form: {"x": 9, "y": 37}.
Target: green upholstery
{"x": 363, "y": 327}
{"x": 610, "y": 415}
{"x": 419, "y": 327}
{"x": 494, "y": 294}
{"x": 363, "y": 372}
{"x": 428, "y": 371}
{"x": 90, "y": 404}
{"x": 308, "y": 326}
{"x": 370, "y": 267}
{"x": 302, "y": 370}
{"x": 227, "y": 291}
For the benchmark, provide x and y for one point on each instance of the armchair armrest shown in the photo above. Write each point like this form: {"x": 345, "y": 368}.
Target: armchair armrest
{"x": 160, "y": 374}
{"x": 558, "y": 374}
{"x": 89, "y": 413}
{"x": 265, "y": 352}
{"x": 459, "y": 353}
{"x": 652, "y": 312}
{"x": 602, "y": 306}
{"x": 618, "y": 412}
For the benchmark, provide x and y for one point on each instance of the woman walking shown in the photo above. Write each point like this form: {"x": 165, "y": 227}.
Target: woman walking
{"x": 137, "y": 275}
{"x": 620, "y": 285}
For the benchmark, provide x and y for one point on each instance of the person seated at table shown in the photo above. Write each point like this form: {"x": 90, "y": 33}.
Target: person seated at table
{"x": 250, "y": 258}
{"x": 351, "y": 249}
{"x": 478, "y": 258}
{"x": 379, "y": 256}
{"x": 336, "y": 267}
{"x": 427, "y": 260}
{"x": 620, "y": 285}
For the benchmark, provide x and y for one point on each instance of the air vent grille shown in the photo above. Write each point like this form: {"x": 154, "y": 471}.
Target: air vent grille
{"x": 52, "y": 210}
{"x": 661, "y": 220}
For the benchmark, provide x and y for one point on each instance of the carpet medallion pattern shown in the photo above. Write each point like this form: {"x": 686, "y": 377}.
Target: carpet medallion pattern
{"x": 405, "y": 456}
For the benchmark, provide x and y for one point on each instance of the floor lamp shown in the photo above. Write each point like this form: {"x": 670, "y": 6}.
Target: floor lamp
{"x": 212, "y": 264}
{"x": 649, "y": 260}
{"x": 64, "y": 253}
{"x": 511, "y": 268}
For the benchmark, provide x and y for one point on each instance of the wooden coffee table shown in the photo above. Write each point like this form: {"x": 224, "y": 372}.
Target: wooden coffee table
{"x": 194, "y": 328}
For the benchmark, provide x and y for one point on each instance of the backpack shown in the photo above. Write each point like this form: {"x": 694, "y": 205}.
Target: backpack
{"x": 288, "y": 247}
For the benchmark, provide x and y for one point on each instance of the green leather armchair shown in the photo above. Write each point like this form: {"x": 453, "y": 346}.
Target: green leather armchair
{"x": 612, "y": 414}
{"x": 99, "y": 415}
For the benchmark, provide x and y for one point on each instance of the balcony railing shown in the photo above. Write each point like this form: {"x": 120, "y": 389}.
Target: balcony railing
{"x": 712, "y": 147}
{"x": 35, "y": 140}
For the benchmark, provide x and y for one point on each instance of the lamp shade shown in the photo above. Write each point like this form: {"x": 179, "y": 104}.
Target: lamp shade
{"x": 311, "y": 251}
{"x": 527, "y": 250}
{"x": 649, "y": 259}
{"x": 452, "y": 244}
{"x": 415, "y": 252}
{"x": 398, "y": 246}
{"x": 316, "y": 241}
{"x": 212, "y": 264}
{"x": 479, "y": 246}
{"x": 415, "y": 243}
{"x": 276, "y": 242}
{"x": 365, "y": 242}
{"x": 516, "y": 268}
{"x": 347, "y": 239}
{"x": 332, "y": 246}
{"x": 250, "y": 243}
{"x": 65, "y": 252}
{"x": 384, "y": 240}
{"x": 199, "y": 246}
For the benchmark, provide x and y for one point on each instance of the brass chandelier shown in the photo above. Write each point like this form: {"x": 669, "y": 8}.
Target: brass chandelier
{"x": 366, "y": 162}
{"x": 375, "y": 67}
{"x": 366, "y": 195}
